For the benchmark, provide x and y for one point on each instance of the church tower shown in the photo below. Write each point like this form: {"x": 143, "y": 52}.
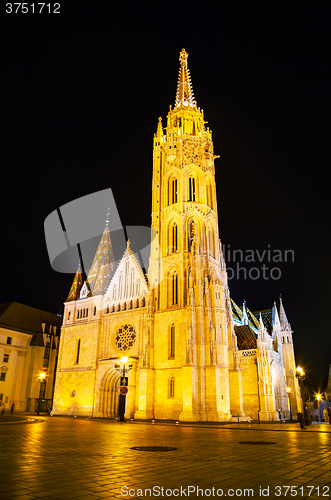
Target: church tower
{"x": 192, "y": 324}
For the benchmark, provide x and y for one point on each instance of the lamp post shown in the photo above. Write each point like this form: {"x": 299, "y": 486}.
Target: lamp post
{"x": 300, "y": 375}
{"x": 41, "y": 379}
{"x": 318, "y": 397}
{"x": 288, "y": 390}
{"x": 124, "y": 387}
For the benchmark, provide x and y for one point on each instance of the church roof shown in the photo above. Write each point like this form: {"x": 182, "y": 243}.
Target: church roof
{"x": 246, "y": 337}
{"x": 238, "y": 315}
{"x": 103, "y": 265}
{"x": 266, "y": 318}
{"x": 184, "y": 95}
{"x": 76, "y": 285}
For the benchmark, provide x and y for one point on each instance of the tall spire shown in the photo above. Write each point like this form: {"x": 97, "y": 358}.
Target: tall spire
{"x": 184, "y": 96}
{"x": 103, "y": 264}
{"x": 76, "y": 284}
{"x": 283, "y": 318}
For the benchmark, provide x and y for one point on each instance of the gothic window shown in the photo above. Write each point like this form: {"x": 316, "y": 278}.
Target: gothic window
{"x": 77, "y": 351}
{"x": 107, "y": 308}
{"x": 174, "y": 238}
{"x": 174, "y": 191}
{"x": 174, "y": 288}
{"x": 211, "y": 241}
{"x": 191, "y": 189}
{"x": 69, "y": 315}
{"x": 94, "y": 311}
{"x": 120, "y": 287}
{"x": 125, "y": 337}
{"x": 126, "y": 278}
{"x": 132, "y": 283}
{"x": 171, "y": 388}
{"x": 191, "y": 233}
{"x": 209, "y": 195}
{"x": 172, "y": 341}
{"x": 114, "y": 292}
{"x": 138, "y": 288}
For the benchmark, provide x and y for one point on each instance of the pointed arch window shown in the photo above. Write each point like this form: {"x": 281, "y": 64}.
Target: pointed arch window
{"x": 174, "y": 237}
{"x": 171, "y": 387}
{"x": 191, "y": 233}
{"x": 132, "y": 283}
{"x": 77, "y": 351}
{"x": 209, "y": 195}
{"x": 191, "y": 189}
{"x": 174, "y": 191}
{"x": 120, "y": 286}
{"x": 174, "y": 288}
{"x": 172, "y": 341}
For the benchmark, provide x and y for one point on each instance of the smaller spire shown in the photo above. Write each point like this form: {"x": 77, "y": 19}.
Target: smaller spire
{"x": 159, "y": 132}
{"x": 283, "y": 318}
{"x": 76, "y": 284}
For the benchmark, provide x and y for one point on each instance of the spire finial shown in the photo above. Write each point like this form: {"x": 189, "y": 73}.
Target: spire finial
{"x": 184, "y": 95}
{"x": 107, "y": 217}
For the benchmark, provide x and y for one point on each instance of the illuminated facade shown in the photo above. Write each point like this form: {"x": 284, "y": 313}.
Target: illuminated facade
{"x": 195, "y": 355}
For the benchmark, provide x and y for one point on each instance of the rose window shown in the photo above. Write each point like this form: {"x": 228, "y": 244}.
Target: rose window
{"x": 125, "y": 337}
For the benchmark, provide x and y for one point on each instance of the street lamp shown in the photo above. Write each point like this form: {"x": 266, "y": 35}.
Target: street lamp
{"x": 41, "y": 379}
{"x": 319, "y": 397}
{"x": 288, "y": 390}
{"x": 123, "y": 386}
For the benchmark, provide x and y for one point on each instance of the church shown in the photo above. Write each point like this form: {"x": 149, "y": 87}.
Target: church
{"x": 192, "y": 353}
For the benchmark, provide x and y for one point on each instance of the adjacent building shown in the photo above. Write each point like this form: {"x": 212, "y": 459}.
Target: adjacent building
{"x": 29, "y": 340}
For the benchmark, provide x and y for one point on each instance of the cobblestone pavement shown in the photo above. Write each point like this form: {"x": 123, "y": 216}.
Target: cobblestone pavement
{"x": 72, "y": 458}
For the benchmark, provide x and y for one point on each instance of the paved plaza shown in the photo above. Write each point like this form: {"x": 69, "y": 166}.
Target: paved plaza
{"x": 74, "y": 458}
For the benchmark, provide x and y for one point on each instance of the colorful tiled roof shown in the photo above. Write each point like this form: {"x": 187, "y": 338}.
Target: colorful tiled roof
{"x": 246, "y": 337}
{"x": 237, "y": 312}
{"x": 266, "y": 318}
{"x": 103, "y": 265}
{"x": 76, "y": 285}
{"x": 252, "y": 319}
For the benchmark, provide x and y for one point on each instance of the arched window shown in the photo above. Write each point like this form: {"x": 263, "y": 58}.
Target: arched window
{"x": 126, "y": 279}
{"x": 172, "y": 341}
{"x": 77, "y": 351}
{"x": 211, "y": 241}
{"x": 191, "y": 189}
{"x": 132, "y": 283}
{"x": 174, "y": 238}
{"x": 192, "y": 230}
{"x": 209, "y": 195}
{"x": 120, "y": 286}
{"x": 171, "y": 387}
{"x": 173, "y": 197}
{"x": 174, "y": 288}
{"x": 94, "y": 311}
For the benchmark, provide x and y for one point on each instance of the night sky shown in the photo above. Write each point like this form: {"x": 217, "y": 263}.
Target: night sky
{"x": 81, "y": 95}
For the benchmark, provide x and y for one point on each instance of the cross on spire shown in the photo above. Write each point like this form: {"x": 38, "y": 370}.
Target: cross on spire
{"x": 184, "y": 96}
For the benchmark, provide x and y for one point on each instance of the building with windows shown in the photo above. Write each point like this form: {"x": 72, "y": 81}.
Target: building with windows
{"x": 29, "y": 340}
{"x": 194, "y": 354}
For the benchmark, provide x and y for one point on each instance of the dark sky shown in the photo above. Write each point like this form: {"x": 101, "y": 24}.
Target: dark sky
{"x": 81, "y": 95}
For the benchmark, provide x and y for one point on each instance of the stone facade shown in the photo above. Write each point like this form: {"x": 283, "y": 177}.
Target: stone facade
{"x": 184, "y": 337}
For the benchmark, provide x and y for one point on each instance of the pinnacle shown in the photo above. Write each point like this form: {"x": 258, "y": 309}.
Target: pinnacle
{"x": 184, "y": 95}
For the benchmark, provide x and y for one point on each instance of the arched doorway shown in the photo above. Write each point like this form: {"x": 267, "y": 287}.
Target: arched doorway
{"x": 110, "y": 394}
